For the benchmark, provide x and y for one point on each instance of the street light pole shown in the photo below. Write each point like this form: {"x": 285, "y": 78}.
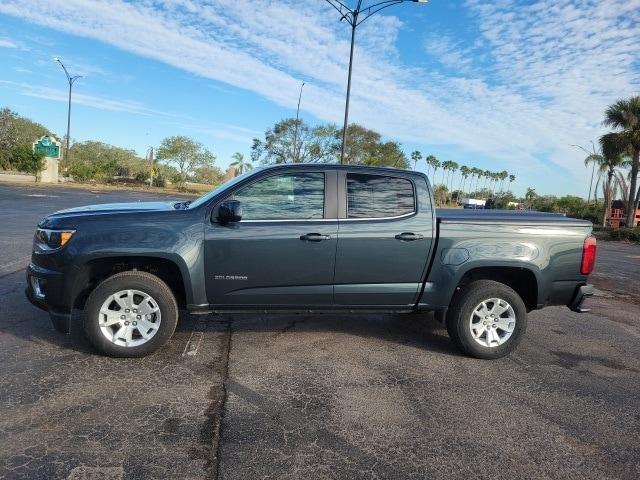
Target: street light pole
{"x": 593, "y": 167}
{"x": 353, "y": 17}
{"x": 296, "y": 153}
{"x": 71, "y": 79}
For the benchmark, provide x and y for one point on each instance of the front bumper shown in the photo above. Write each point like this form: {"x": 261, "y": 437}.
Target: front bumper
{"x": 45, "y": 290}
{"x": 582, "y": 292}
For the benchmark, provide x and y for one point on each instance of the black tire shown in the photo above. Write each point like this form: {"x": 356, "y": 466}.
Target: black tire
{"x": 462, "y": 307}
{"x": 131, "y": 280}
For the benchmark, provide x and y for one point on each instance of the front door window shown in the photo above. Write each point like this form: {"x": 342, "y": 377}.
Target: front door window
{"x": 298, "y": 196}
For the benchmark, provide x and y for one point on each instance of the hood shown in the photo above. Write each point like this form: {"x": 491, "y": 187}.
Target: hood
{"x": 111, "y": 208}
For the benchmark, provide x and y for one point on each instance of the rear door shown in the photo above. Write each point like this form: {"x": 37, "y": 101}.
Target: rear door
{"x": 282, "y": 252}
{"x": 385, "y": 238}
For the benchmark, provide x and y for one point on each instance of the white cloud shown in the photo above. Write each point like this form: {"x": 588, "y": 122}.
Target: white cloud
{"x": 7, "y": 43}
{"x": 94, "y": 101}
{"x": 536, "y": 79}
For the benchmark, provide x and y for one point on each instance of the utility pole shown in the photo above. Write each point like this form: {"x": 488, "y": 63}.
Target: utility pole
{"x": 150, "y": 160}
{"x": 353, "y": 18}
{"x": 71, "y": 79}
{"x": 296, "y": 152}
{"x": 593, "y": 167}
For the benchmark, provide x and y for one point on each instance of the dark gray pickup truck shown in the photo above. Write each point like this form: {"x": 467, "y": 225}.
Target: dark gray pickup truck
{"x": 306, "y": 238}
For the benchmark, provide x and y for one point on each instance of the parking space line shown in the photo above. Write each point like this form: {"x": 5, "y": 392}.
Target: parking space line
{"x": 193, "y": 344}
{"x": 23, "y": 259}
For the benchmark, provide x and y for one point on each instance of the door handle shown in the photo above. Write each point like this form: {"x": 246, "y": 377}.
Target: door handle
{"x": 409, "y": 236}
{"x": 314, "y": 237}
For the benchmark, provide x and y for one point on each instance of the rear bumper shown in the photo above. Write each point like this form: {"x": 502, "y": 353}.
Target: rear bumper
{"x": 582, "y": 292}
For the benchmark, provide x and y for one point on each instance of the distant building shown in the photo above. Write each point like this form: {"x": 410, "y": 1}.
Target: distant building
{"x": 229, "y": 174}
{"x": 618, "y": 216}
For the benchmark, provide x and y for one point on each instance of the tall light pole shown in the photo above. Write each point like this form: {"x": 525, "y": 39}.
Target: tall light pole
{"x": 71, "y": 79}
{"x": 353, "y": 17}
{"x": 296, "y": 153}
{"x": 593, "y": 167}
{"x": 150, "y": 160}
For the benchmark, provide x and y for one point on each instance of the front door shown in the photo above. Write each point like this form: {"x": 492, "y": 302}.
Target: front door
{"x": 384, "y": 241}
{"x": 282, "y": 251}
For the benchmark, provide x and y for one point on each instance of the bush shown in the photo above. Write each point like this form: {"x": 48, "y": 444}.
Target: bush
{"x": 24, "y": 159}
{"x": 626, "y": 234}
{"x": 622, "y": 234}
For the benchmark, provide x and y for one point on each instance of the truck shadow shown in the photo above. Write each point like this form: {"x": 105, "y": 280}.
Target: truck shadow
{"x": 414, "y": 330}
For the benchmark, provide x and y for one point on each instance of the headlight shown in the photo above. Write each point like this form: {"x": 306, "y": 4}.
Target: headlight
{"x": 53, "y": 239}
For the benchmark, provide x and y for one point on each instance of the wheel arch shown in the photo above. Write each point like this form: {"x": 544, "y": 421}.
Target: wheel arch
{"x": 95, "y": 270}
{"x": 524, "y": 280}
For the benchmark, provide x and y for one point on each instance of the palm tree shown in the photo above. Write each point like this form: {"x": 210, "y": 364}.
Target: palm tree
{"x": 530, "y": 195}
{"x": 624, "y": 116}
{"x": 416, "y": 156}
{"x": 431, "y": 163}
{"x": 472, "y": 174}
{"x": 614, "y": 156}
{"x": 446, "y": 166}
{"x": 464, "y": 173}
{"x": 479, "y": 173}
{"x": 454, "y": 168}
{"x": 512, "y": 178}
{"x": 436, "y": 165}
{"x": 503, "y": 176}
{"x": 487, "y": 175}
{"x": 240, "y": 164}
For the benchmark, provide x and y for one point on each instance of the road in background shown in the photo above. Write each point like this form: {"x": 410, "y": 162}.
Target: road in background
{"x": 314, "y": 396}
{"x": 23, "y": 206}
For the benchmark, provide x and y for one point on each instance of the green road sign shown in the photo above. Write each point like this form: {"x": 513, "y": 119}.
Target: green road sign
{"x": 47, "y": 146}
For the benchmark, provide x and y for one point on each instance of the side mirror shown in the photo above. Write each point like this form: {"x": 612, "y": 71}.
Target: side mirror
{"x": 229, "y": 211}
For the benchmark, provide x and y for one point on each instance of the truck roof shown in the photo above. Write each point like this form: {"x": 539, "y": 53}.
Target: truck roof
{"x": 337, "y": 166}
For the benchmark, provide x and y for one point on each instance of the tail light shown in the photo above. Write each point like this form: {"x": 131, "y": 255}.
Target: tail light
{"x": 588, "y": 255}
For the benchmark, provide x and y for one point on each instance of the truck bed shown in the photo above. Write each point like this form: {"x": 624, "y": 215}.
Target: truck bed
{"x": 453, "y": 215}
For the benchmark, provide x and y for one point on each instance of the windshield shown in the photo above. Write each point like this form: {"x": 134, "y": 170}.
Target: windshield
{"x": 223, "y": 186}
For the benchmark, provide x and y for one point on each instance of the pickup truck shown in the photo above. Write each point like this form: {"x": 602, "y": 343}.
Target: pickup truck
{"x": 306, "y": 237}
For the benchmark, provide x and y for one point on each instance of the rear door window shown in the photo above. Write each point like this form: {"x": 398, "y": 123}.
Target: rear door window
{"x": 379, "y": 196}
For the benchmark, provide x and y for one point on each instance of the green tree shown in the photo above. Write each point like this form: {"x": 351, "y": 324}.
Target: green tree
{"x": 185, "y": 154}
{"x": 16, "y": 130}
{"x": 24, "y": 159}
{"x": 239, "y": 164}
{"x": 440, "y": 194}
{"x": 314, "y": 144}
{"x": 209, "y": 174}
{"x": 100, "y": 161}
{"x": 365, "y": 147}
{"x": 624, "y": 117}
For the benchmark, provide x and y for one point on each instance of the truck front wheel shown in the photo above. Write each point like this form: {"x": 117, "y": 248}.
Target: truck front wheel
{"x": 130, "y": 314}
{"x": 487, "y": 319}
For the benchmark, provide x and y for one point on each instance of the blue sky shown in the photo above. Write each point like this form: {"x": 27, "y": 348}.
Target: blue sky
{"x": 501, "y": 85}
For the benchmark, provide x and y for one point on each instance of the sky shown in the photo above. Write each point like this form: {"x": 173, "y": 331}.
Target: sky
{"x": 500, "y": 85}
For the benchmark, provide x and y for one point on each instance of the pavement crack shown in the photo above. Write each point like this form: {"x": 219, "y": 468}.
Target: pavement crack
{"x": 217, "y": 409}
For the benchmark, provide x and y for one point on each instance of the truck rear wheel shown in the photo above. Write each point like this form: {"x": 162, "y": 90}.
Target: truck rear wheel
{"x": 487, "y": 319}
{"x": 130, "y": 314}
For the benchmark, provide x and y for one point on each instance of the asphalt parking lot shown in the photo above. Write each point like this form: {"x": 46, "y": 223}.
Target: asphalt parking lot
{"x": 315, "y": 397}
